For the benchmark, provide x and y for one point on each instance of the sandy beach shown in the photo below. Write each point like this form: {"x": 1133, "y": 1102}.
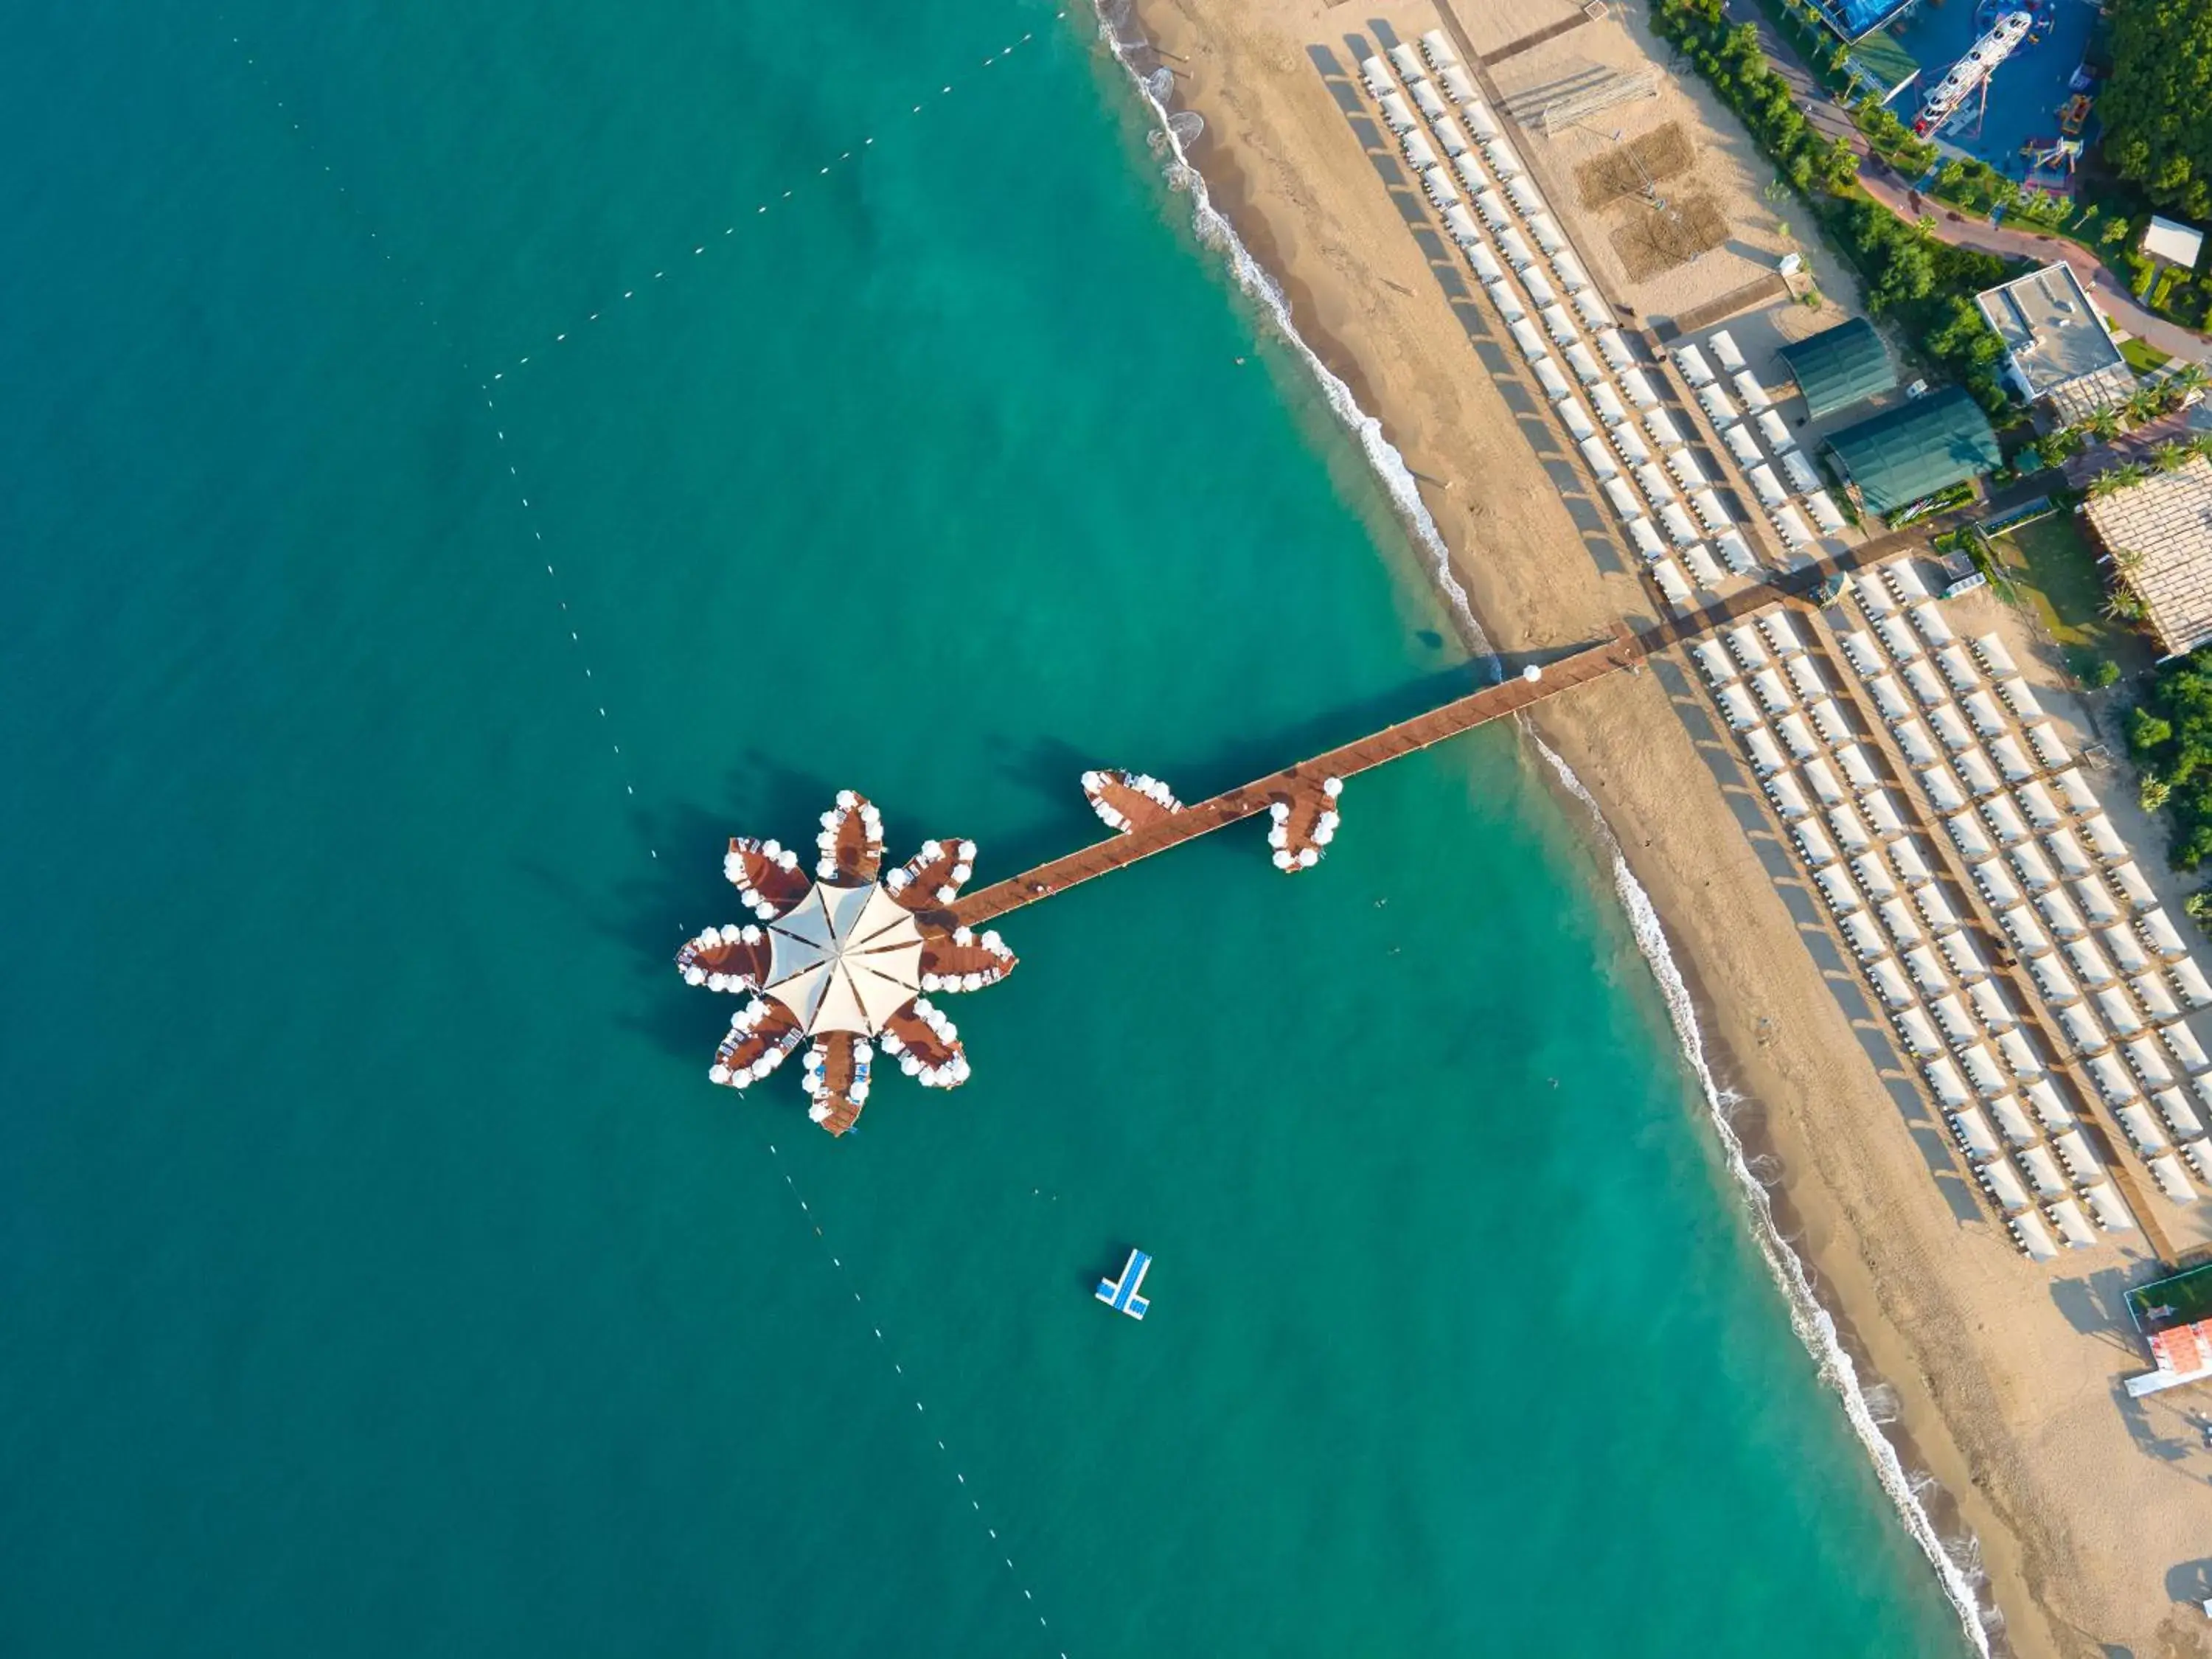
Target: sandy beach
{"x": 2086, "y": 1512}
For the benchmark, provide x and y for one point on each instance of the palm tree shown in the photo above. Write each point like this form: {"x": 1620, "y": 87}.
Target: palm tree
{"x": 2145, "y": 402}
{"x": 2113, "y": 480}
{"x": 2103, "y": 425}
{"x": 2122, "y": 605}
{"x": 2190, "y": 376}
{"x": 2171, "y": 455}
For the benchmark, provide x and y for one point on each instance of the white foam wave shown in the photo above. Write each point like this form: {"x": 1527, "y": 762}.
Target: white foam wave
{"x": 1814, "y": 1325}
{"x": 1215, "y": 230}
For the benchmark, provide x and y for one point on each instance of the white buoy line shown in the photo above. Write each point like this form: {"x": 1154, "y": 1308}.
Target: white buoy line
{"x": 763, "y": 206}
{"x": 623, "y": 774}
{"x": 898, "y": 1372}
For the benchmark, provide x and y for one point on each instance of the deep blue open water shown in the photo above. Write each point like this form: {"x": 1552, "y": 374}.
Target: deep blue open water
{"x": 382, "y": 1276}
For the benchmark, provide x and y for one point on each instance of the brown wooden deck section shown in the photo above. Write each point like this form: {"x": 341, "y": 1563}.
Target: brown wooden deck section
{"x": 1464, "y": 713}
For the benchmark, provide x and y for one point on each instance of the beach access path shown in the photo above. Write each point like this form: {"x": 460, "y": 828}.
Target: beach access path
{"x": 2042, "y": 247}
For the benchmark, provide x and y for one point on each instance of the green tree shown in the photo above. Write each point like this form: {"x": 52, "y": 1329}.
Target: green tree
{"x": 2170, "y": 456}
{"x": 2147, "y": 733}
{"x": 2155, "y": 107}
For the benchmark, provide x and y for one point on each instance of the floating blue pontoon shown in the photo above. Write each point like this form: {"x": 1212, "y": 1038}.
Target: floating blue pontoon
{"x": 1121, "y": 1294}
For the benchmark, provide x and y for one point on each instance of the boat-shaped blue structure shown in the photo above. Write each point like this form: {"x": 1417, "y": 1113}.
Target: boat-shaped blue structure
{"x": 1121, "y": 1294}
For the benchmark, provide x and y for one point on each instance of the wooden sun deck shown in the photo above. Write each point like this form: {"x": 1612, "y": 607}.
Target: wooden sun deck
{"x": 1464, "y": 713}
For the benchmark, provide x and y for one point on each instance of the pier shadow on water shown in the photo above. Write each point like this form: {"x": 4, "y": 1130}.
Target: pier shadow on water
{"x": 670, "y": 896}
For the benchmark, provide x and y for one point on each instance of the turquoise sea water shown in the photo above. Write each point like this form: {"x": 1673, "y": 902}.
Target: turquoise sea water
{"x": 382, "y": 1275}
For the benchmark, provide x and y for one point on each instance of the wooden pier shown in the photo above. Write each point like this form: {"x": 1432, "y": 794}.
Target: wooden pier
{"x": 1248, "y": 800}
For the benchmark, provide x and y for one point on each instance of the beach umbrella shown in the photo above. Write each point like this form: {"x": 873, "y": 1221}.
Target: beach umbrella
{"x": 718, "y": 1074}
{"x": 1332, "y": 786}
{"x": 1308, "y": 857}
{"x": 1282, "y": 859}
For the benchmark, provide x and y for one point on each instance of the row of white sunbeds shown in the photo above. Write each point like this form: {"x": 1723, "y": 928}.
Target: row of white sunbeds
{"x": 1736, "y": 427}
{"x": 1493, "y": 210}
{"x": 1961, "y": 1029}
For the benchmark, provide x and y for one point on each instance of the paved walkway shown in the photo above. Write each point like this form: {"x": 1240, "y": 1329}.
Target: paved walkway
{"x": 1955, "y": 227}
{"x": 1173, "y": 829}
{"x": 1961, "y": 231}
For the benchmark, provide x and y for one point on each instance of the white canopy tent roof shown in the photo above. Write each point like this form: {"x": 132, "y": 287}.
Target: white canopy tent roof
{"x": 844, "y": 959}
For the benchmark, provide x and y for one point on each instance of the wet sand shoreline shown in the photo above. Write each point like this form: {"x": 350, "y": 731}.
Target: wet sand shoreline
{"x": 1939, "y": 1317}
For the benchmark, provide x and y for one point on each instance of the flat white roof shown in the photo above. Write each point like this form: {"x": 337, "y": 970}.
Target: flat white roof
{"x": 2056, "y": 338}
{"x": 2168, "y": 239}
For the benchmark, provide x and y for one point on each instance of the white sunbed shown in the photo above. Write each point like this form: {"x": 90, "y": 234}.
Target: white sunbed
{"x": 1781, "y": 629}
{"x": 2047, "y": 743}
{"x": 1929, "y": 620}
{"x": 2105, "y": 1206}
{"x": 2172, "y": 1180}
{"x": 2043, "y": 1170}
{"x": 1991, "y": 650}
{"x": 2180, "y": 1117}
{"x": 1904, "y": 581}
{"x": 2033, "y": 1237}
